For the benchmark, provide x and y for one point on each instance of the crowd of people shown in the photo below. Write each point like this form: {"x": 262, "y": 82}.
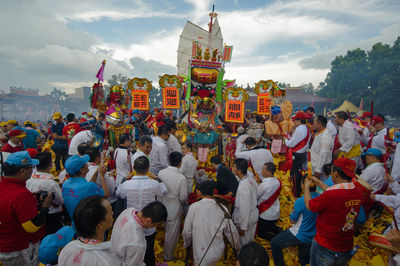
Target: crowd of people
{"x": 97, "y": 207}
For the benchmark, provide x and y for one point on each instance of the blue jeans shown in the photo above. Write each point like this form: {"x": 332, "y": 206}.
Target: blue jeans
{"x": 326, "y": 257}
{"x": 286, "y": 239}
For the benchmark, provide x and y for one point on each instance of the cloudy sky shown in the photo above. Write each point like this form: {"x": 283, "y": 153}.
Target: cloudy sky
{"x": 57, "y": 43}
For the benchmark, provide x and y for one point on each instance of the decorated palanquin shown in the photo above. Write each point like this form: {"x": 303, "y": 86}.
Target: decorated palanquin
{"x": 203, "y": 87}
{"x": 114, "y": 107}
{"x": 171, "y": 91}
{"x": 140, "y": 89}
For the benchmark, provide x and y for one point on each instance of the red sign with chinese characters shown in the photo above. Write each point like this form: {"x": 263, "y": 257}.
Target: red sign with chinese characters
{"x": 263, "y": 104}
{"x": 234, "y": 111}
{"x": 170, "y": 98}
{"x": 140, "y": 100}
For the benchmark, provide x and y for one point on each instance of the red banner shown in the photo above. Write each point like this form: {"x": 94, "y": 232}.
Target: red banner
{"x": 263, "y": 104}
{"x": 140, "y": 100}
{"x": 234, "y": 111}
{"x": 170, "y": 98}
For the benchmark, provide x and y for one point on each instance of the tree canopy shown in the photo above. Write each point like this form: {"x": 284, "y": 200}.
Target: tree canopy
{"x": 373, "y": 74}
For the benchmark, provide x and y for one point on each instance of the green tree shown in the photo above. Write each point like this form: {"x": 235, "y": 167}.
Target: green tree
{"x": 308, "y": 88}
{"x": 117, "y": 80}
{"x": 58, "y": 95}
{"x": 155, "y": 97}
{"x": 373, "y": 74}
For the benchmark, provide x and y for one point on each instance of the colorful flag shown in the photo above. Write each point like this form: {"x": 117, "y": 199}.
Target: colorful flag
{"x": 361, "y": 104}
{"x": 99, "y": 74}
{"x": 227, "y": 53}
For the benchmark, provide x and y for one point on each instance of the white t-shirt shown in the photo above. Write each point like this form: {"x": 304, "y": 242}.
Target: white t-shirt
{"x": 82, "y": 137}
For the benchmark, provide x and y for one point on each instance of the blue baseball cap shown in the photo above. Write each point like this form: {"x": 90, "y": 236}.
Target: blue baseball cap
{"x": 396, "y": 136}
{"x": 21, "y": 158}
{"x": 275, "y": 110}
{"x": 75, "y": 163}
{"x": 51, "y": 245}
{"x": 372, "y": 151}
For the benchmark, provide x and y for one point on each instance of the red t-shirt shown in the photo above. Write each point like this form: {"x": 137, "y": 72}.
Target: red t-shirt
{"x": 71, "y": 130}
{"x": 337, "y": 208}
{"x": 17, "y": 206}
{"x": 11, "y": 149}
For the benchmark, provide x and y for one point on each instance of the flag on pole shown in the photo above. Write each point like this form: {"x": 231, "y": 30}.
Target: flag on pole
{"x": 227, "y": 53}
{"x": 99, "y": 74}
{"x": 361, "y": 104}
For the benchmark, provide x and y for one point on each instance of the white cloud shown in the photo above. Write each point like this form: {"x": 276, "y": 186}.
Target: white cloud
{"x": 285, "y": 71}
{"x": 323, "y": 59}
{"x": 38, "y": 49}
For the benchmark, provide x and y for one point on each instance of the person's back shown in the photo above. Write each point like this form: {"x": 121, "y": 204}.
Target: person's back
{"x": 141, "y": 190}
{"x": 304, "y": 228}
{"x": 176, "y": 187}
{"x": 199, "y": 231}
{"x": 85, "y": 136}
{"x": 31, "y": 138}
{"x": 256, "y": 155}
{"x": 88, "y": 254}
{"x": 128, "y": 239}
{"x": 335, "y": 223}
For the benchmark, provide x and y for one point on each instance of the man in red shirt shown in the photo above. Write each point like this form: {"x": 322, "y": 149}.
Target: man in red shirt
{"x": 14, "y": 144}
{"x": 72, "y": 128}
{"x": 338, "y": 208}
{"x": 20, "y": 222}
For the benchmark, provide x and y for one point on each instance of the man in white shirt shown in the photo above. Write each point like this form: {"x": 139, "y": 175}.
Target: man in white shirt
{"x": 138, "y": 192}
{"x": 128, "y": 241}
{"x": 396, "y": 164}
{"x": 322, "y": 147}
{"x": 245, "y": 214}
{"x": 374, "y": 173}
{"x": 173, "y": 200}
{"x": 257, "y": 155}
{"x": 189, "y": 166}
{"x": 365, "y": 133}
{"x": 42, "y": 180}
{"x": 332, "y": 130}
{"x": 379, "y": 138}
{"x": 172, "y": 143}
{"x": 268, "y": 203}
{"x": 349, "y": 139}
{"x": 85, "y": 136}
{"x": 123, "y": 157}
{"x": 240, "y": 140}
{"x": 199, "y": 232}
{"x": 299, "y": 144}
{"x": 159, "y": 152}
{"x": 145, "y": 146}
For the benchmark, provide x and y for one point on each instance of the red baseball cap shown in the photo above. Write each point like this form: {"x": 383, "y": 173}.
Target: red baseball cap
{"x": 300, "y": 115}
{"x": 32, "y": 152}
{"x": 366, "y": 114}
{"x": 348, "y": 166}
{"x": 17, "y": 133}
{"x": 377, "y": 119}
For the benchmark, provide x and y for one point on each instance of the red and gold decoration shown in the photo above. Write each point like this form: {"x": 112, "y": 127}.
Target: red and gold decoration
{"x": 140, "y": 88}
